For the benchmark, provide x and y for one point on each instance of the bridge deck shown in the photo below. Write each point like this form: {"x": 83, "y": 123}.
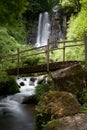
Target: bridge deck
{"x": 42, "y": 68}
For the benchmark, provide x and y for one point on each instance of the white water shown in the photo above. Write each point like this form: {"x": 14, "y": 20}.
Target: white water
{"x": 29, "y": 85}
{"x": 11, "y": 104}
{"x": 43, "y": 29}
{"x": 13, "y": 114}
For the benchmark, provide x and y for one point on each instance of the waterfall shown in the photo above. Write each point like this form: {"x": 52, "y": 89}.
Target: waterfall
{"x": 43, "y": 29}
{"x": 54, "y": 29}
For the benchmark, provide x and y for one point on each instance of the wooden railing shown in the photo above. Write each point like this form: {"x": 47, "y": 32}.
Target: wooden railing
{"x": 45, "y": 50}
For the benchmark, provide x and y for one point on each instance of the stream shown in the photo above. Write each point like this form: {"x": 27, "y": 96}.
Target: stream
{"x": 13, "y": 114}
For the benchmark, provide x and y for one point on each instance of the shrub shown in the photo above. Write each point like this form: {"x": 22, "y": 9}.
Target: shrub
{"x": 8, "y": 84}
{"x": 41, "y": 89}
{"x": 30, "y": 61}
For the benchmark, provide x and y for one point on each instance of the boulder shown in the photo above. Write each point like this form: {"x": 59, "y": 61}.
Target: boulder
{"x": 59, "y": 104}
{"x": 70, "y": 79}
{"x": 75, "y": 122}
{"x": 55, "y": 104}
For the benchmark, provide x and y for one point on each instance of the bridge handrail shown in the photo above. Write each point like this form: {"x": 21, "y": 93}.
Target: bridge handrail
{"x": 35, "y": 48}
{"x": 46, "y": 51}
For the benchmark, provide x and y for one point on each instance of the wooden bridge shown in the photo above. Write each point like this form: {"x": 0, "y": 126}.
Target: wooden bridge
{"x": 18, "y": 57}
{"x": 42, "y": 68}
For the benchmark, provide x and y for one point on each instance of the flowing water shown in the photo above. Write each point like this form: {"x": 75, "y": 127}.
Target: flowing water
{"x": 43, "y": 29}
{"x": 13, "y": 114}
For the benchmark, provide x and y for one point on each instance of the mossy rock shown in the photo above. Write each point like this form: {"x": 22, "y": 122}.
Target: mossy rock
{"x": 76, "y": 122}
{"x": 56, "y": 104}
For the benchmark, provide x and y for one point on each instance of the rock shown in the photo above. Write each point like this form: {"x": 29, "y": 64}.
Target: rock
{"x": 33, "y": 79}
{"x": 55, "y": 104}
{"x": 70, "y": 79}
{"x": 22, "y": 84}
{"x": 42, "y": 79}
{"x": 75, "y": 122}
{"x": 59, "y": 104}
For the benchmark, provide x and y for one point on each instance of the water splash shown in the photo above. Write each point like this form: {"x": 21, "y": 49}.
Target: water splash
{"x": 43, "y": 29}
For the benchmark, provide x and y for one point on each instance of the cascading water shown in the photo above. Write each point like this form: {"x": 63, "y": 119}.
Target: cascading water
{"x": 54, "y": 29}
{"x": 43, "y": 29}
{"x": 13, "y": 114}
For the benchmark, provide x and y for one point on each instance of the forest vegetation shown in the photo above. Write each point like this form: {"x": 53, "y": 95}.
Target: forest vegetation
{"x": 17, "y": 16}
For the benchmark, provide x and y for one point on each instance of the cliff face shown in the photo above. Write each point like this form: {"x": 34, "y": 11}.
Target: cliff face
{"x": 57, "y": 29}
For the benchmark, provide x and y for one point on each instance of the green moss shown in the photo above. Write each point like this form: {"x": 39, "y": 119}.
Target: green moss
{"x": 41, "y": 89}
{"x": 8, "y": 84}
{"x": 51, "y": 125}
{"x": 55, "y": 104}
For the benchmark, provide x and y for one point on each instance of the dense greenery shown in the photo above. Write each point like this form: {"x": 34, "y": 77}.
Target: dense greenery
{"x": 10, "y": 11}
{"x": 8, "y": 44}
{"x": 18, "y": 31}
{"x": 8, "y": 84}
{"x": 41, "y": 89}
{"x": 78, "y": 24}
{"x": 37, "y": 6}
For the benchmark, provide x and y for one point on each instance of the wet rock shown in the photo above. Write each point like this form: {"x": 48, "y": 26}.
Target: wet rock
{"x": 42, "y": 79}
{"x": 75, "y": 122}
{"x": 22, "y": 84}
{"x": 32, "y": 79}
{"x": 25, "y": 79}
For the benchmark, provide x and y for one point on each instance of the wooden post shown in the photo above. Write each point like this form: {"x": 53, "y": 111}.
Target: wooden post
{"x": 47, "y": 56}
{"x": 64, "y": 51}
{"x": 85, "y": 44}
{"x": 18, "y": 58}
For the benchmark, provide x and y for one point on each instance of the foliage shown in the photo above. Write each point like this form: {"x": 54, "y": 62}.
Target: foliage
{"x": 8, "y": 44}
{"x": 71, "y": 53}
{"x": 30, "y": 61}
{"x": 83, "y": 97}
{"x": 41, "y": 89}
{"x": 38, "y": 6}
{"x": 18, "y": 31}
{"x": 68, "y": 7}
{"x": 75, "y": 3}
{"x": 11, "y": 10}
{"x": 8, "y": 84}
{"x": 78, "y": 24}
{"x": 32, "y": 57}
